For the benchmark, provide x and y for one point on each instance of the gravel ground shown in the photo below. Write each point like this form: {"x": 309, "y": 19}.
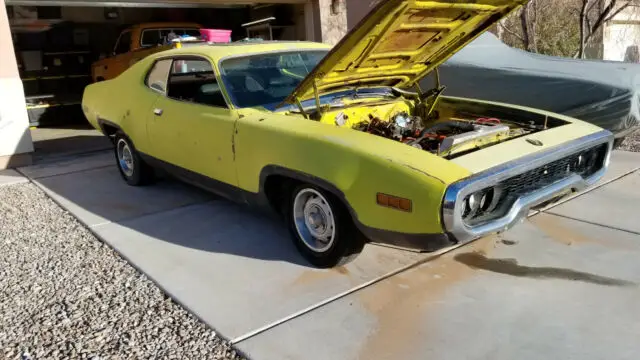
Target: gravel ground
{"x": 65, "y": 294}
{"x": 632, "y": 142}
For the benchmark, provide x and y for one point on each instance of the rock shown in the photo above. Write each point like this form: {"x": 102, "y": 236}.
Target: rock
{"x": 631, "y": 142}
{"x": 66, "y": 295}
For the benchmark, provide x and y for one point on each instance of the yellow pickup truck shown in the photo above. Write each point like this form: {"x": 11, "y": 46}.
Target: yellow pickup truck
{"x": 138, "y": 42}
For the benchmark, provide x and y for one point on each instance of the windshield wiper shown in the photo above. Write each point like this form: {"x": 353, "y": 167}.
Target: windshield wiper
{"x": 359, "y": 95}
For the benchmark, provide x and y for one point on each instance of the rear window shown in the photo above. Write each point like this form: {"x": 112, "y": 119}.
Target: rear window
{"x": 160, "y": 36}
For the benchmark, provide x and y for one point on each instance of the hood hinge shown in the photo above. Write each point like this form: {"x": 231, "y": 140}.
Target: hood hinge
{"x": 301, "y": 108}
{"x": 316, "y": 96}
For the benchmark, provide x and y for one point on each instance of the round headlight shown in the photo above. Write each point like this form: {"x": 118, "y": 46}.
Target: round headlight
{"x": 580, "y": 162}
{"x": 487, "y": 199}
{"x": 474, "y": 201}
{"x": 466, "y": 210}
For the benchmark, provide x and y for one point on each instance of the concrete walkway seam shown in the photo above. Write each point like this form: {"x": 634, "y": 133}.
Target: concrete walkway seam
{"x": 398, "y": 271}
{"x": 596, "y": 224}
{"x": 69, "y": 155}
{"x": 151, "y": 213}
{"x": 431, "y": 257}
{"x": 71, "y": 172}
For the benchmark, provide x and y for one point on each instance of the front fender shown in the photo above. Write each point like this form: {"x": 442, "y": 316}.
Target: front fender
{"x": 357, "y": 165}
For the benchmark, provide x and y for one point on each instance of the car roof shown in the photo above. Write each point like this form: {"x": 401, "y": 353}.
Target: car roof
{"x": 219, "y": 51}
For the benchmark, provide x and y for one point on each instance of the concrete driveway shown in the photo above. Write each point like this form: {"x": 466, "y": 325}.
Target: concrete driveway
{"x": 563, "y": 285}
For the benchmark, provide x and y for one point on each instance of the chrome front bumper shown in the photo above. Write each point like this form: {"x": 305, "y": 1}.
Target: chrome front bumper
{"x": 456, "y": 193}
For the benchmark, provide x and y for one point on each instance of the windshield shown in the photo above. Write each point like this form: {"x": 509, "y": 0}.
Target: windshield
{"x": 266, "y": 79}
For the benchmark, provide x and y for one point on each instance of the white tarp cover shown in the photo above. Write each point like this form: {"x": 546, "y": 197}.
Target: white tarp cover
{"x": 604, "y": 93}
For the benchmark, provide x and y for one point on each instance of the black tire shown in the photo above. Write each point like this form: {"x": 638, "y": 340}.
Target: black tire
{"x": 618, "y": 142}
{"x": 347, "y": 242}
{"x": 136, "y": 172}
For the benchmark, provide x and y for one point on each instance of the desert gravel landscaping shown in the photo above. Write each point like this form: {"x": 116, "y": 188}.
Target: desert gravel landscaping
{"x": 632, "y": 142}
{"x": 65, "y": 294}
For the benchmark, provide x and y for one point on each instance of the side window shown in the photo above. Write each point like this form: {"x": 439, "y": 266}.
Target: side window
{"x": 193, "y": 80}
{"x": 124, "y": 43}
{"x": 150, "y": 37}
{"x": 157, "y": 77}
{"x": 153, "y": 37}
{"x": 192, "y": 32}
{"x": 167, "y": 35}
{"x": 191, "y": 67}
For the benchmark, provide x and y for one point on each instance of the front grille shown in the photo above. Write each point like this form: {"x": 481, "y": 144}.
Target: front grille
{"x": 584, "y": 163}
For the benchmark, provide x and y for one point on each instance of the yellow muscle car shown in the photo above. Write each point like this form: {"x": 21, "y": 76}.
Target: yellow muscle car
{"x": 341, "y": 141}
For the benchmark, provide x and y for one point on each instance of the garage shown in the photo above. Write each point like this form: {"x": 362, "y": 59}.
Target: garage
{"x": 57, "y": 42}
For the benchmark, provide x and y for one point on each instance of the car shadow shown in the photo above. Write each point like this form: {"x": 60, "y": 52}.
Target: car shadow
{"x": 70, "y": 145}
{"x": 511, "y": 267}
{"x": 172, "y": 212}
{"x": 218, "y": 225}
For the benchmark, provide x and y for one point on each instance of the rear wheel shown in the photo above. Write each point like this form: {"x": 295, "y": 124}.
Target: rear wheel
{"x": 322, "y": 228}
{"x": 131, "y": 166}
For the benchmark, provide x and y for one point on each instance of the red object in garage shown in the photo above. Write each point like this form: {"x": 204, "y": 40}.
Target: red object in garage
{"x": 216, "y": 35}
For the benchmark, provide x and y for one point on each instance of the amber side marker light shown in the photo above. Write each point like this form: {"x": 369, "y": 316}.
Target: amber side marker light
{"x": 393, "y": 202}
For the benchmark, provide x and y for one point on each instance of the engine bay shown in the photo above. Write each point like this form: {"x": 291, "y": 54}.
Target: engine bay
{"x": 442, "y": 138}
{"x": 452, "y": 128}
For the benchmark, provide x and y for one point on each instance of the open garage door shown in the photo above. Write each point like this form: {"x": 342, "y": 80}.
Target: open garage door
{"x": 57, "y": 42}
{"x": 150, "y": 3}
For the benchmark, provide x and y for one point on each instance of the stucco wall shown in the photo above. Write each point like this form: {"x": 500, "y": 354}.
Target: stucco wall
{"x": 622, "y": 36}
{"x": 15, "y": 137}
{"x": 333, "y": 20}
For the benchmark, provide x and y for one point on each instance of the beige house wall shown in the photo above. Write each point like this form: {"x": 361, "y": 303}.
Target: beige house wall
{"x": 15, "y": 138}
{"x": 334, "y": 18}
{"x": 621, "y": 36}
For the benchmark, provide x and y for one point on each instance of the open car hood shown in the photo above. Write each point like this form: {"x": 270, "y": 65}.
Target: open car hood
{"x": 400, "y": 41}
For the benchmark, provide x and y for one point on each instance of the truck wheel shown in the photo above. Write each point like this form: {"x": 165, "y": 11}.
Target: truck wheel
{"x": 322, "y": 228}
{"x": 131, "y": 166}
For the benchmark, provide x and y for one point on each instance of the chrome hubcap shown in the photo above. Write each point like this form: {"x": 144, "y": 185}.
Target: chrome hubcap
{"x": 125, "y": 158}
{"x": 314, "y": 220}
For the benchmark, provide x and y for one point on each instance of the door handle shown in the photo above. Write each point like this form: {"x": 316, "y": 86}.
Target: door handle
{"x": 157, "y": 112}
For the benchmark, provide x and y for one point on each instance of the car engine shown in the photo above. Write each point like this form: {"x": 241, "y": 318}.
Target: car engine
{"x": 440, "y": 137}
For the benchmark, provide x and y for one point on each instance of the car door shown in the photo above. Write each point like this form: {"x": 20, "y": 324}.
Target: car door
{"x": 192, "y": 126}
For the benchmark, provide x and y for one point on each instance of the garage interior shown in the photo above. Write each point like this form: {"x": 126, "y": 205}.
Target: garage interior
{"x": 56, "y": 42}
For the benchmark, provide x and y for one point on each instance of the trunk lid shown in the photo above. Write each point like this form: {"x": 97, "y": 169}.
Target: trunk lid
{"x": 400, "y": 41}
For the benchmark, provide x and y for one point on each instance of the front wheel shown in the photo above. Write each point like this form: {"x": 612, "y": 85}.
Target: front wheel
{"x": 322, "y": 228}
{"x": 131, "y": 166}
